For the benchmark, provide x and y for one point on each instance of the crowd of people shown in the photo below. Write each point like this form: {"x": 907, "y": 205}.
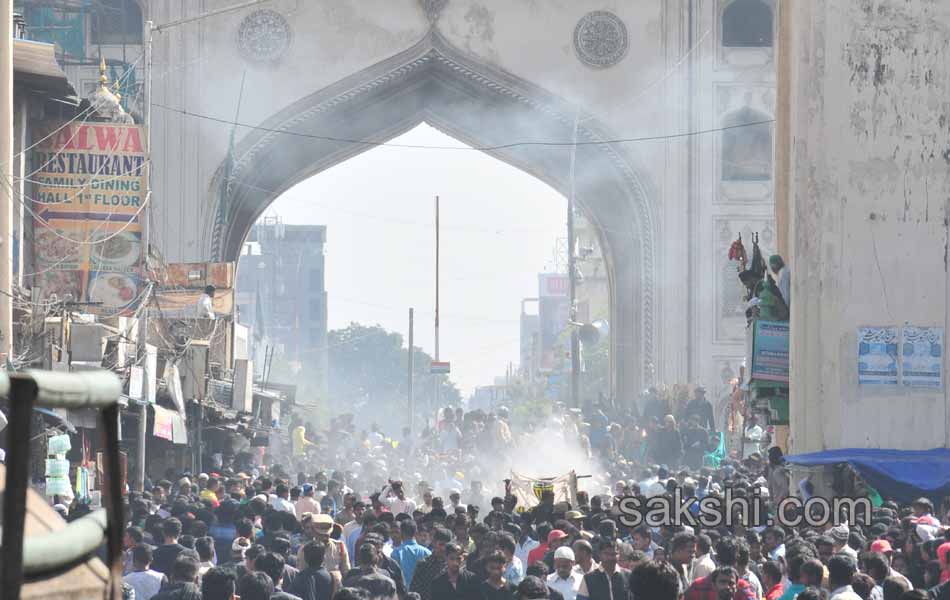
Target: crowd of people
{"x": 367, "y": 516}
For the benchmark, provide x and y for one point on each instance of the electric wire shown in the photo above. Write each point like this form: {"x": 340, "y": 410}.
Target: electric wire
{"x": 75, "y": 118}
{"x": 493, "y": 148}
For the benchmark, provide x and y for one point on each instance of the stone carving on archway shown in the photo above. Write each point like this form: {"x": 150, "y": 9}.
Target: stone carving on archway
{"x": 264, "y": 36}
{"x": 600, "y": 39}
{"x": 433, "y": 56}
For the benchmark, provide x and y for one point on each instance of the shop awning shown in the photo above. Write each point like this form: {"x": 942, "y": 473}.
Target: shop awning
{"x": 169, "y": 425}
{"x": 35, "y": 66}
{"x": 900, "y": 474}
{"x": 61, "y": 418}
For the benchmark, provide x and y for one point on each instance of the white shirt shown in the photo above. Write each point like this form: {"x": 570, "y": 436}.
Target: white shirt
{"x": 205, "y": 307}
{"x": 844, "y": 592}
{"x": 522, "y": 550}
{"x": 307, "y": 504}
{"x": 702, "y": 567}
{"x": 568, "y": 587}
{"x": 282, "y": 505}
{"x": 145, "y": 583}
{"x": 655, "y": 489}
{"x": 753, "y": 436}
{"x": 580, "y": 570}
{"x": 397, "y": 506}
{"x": 753, "y": 581}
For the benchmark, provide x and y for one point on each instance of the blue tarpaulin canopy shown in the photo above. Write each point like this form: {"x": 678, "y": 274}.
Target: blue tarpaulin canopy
{"x": 899, "y": 474}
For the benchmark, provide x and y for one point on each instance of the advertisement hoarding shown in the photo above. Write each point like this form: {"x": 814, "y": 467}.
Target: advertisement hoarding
{"x": 553, "y": 316}
{"x": 88, "y": 199}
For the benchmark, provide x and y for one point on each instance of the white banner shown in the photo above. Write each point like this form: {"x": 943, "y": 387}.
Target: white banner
{"x": 528, "y": 490}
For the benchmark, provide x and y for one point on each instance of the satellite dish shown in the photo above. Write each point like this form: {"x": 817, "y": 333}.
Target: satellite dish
{"x": 591, "y": 333}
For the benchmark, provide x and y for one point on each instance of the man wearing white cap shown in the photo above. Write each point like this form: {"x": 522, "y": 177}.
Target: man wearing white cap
{"x": 564, "y": 579}
{"x": 840, "y": 535}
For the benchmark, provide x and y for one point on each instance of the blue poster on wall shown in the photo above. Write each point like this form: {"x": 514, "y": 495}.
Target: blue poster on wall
{"x": 877, "y": 356}
{"x": 922, "y": 354}
{"x": 770, "y": 351}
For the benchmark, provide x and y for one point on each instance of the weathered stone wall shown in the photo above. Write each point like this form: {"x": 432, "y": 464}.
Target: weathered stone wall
{"x": 868, "y": 207}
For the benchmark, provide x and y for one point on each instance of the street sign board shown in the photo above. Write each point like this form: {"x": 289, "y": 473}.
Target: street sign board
{"x": 440, "y": 368}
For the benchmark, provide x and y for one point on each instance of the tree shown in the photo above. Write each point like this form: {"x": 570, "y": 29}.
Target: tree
{"x": 368, "y": 377}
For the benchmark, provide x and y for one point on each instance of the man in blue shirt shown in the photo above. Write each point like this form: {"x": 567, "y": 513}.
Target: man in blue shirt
{"x": 409, "y": 553}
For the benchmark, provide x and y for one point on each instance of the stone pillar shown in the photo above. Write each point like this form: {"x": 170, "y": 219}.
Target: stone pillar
{"x": 868, "y": 188}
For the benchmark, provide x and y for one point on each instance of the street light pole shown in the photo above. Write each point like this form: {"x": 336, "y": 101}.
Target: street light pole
{"x": 6, "y": 178}
{"x": 572, "y": 280}
{"x": 412, "y": 399}
{"x": 435, "y": 380}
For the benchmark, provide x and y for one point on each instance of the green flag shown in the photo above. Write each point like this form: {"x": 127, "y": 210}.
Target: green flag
{"x": 874, "y": 497}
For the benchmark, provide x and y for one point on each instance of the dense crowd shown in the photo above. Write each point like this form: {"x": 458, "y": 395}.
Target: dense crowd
{"x": 349, "y": 515}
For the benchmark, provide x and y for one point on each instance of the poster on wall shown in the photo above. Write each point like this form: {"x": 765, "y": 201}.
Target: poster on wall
{"x": 87, "y": 203}
{"x": 877, "y": 356}
{"x": 922, "y": 356}
{"x": 770, "y": 351}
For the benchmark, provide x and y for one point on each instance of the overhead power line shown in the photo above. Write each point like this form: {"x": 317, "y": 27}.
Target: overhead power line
{"x": 372, "y": 143}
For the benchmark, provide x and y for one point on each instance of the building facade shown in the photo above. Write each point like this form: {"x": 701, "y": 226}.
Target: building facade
{"x": 489, "y": 73}
{"x": 864, "y": 142}
{"x": 281, "y": 296}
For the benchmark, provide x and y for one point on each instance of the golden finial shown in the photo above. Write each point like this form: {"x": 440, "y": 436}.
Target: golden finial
{"x": 103, "y": 79}
{"x": 116, "y": 89}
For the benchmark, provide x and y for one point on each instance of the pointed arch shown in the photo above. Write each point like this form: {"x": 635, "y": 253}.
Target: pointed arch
{"x": 482, "y": 106}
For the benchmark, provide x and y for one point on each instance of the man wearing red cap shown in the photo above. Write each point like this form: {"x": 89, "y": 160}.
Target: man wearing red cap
{"x": 883, "y": 547}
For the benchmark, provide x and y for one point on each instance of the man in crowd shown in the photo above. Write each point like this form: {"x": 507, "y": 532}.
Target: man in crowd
{"x": 256, "y": 534}
{"x": 565, "y": 579}
{"x": 183, "y": 582}
{"x": 495, "y": 586}
{"x": 164, "y": 556}
{"x": 609, "y": 581}
{"x": 143, "y": 579}
{"x": 313, "y": 582}
{"x": 410, "y": 552}
{"x": 456, "y": 582}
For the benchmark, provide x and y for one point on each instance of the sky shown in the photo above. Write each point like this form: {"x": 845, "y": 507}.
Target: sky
{"x": 499, "y": 228}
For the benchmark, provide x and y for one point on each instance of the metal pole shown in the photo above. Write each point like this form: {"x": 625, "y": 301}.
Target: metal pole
{"x": 142, "y": 433}
{"x": 6, "y": 178}
{"x": 412, "y": 400}
{"x": 572, "y": 280}
{"x": 22, "y": 398}
{"x": 435, "y": 380}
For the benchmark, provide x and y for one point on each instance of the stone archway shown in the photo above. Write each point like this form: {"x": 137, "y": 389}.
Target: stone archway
{"x": 481, "y": 106}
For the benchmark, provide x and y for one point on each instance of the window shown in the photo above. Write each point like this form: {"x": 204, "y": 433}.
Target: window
{"x": 117, "y": 22}
{"x": 747, "y": 24}
{"x": 747, "y": 149}
{"x": 316, "y": 309}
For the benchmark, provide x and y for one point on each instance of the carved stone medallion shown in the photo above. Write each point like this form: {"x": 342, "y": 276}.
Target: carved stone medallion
{"x": 600, "y": 39}
{"x": 264, "y": 36}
